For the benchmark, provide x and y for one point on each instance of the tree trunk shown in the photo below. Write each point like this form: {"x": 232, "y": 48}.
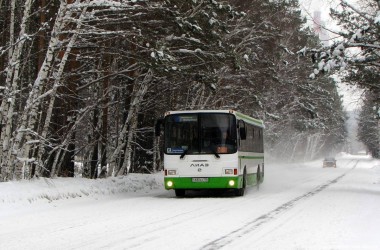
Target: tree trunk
{"x": 53, "y": 93}
{"x": 29, "y": 116}
{"x": 12, "y": 84}
{"x": 139, "y": 91}
{"x": 41, "y": 38}
{"x": 156, "y": 154}
{"x": 104, "y": 119}
{"x": 65, "y": 144}
{"x": 128, "y": 152}
{"x": 94, "y": 156}
{"x": 12, "y": 29}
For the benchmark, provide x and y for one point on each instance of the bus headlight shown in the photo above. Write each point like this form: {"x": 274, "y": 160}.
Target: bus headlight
{"x": 172, "y": 172}
{"x": 231, "y": 183}
{"x": 169, "y": 183}
{"x": 229, "y": 171}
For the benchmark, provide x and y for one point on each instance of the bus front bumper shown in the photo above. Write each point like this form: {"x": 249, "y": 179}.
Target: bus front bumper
{"x": 203, "y": 183}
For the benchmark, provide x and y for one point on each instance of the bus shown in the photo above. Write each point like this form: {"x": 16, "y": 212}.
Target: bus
{"x": 211, "y": 149}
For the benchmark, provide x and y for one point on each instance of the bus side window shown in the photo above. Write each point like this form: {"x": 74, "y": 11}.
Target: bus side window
{"x": 253, "y": 141}
{"x": 242, "y": 130}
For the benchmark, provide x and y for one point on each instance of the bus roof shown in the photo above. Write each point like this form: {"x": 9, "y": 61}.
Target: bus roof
{"x": 245, "y": 118}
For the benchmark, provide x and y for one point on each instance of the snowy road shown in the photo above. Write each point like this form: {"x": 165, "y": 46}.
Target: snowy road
{"x": 299, "y": 206}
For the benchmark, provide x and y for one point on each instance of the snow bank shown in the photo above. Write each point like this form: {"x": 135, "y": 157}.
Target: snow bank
{"x": 48, "y": 190}
{"x": 45, "y": 189}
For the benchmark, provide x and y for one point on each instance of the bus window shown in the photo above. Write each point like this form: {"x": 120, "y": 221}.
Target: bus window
{"x": 218, "y": 133}
{"x": 200, "y": 134}
{"x": 181, "y": 134}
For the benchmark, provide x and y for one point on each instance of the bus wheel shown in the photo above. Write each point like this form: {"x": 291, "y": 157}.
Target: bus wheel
{"x": 240, "y": 191}
{"x": 258, "y": 178}
{"x": 179, "y": 192}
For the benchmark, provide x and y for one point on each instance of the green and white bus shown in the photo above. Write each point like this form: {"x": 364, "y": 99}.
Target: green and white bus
{"x": 211, "y": 149}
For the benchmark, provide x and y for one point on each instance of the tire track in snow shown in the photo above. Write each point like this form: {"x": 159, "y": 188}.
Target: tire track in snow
{"x": 147, "y": 232}
{"x": 268, "y": 217}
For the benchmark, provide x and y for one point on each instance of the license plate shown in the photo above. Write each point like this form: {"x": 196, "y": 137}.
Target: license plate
{"x": 200, "y": 179}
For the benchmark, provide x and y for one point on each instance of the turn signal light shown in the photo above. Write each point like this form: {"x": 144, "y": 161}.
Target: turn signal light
{"x": 230, "y": 171}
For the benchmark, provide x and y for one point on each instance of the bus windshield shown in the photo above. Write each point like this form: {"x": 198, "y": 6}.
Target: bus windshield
{"x": 200, "y": 133}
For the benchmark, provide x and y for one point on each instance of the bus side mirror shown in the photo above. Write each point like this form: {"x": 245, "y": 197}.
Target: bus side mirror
{"x": 157, "y": 128}
{"x": 242, "y": 130}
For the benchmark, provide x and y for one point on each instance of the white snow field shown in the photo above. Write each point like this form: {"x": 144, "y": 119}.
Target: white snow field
{"x": 299, "y": 206}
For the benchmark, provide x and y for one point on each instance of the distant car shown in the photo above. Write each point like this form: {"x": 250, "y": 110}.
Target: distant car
{"x": 329, "y": 162}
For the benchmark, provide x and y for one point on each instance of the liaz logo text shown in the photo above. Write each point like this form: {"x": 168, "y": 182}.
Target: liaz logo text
{"x": 199, "y": 165}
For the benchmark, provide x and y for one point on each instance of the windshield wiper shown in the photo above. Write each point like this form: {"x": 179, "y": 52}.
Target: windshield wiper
{"x": 183, "y": 154}
{"x": 215, "y": 153}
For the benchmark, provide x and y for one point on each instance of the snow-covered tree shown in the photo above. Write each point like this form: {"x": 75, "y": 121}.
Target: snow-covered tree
{"x": 85, "y": 80}
{"x": 357, "y": 51}
{"x": 276, "y": 87}
{"x": 369, "y": 122}
{"x": 359, "y": 54}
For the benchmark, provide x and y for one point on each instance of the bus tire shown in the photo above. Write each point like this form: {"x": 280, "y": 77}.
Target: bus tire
{"x": 258, "y": 178}
{"x": 240, "y": 191}
{"x": 179, "y": 192}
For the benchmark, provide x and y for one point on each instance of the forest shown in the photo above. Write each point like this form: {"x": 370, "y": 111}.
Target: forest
{"x": 82, "y": 82}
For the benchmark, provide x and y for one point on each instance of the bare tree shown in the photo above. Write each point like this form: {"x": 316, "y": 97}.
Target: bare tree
{"x": 12, "y": 86}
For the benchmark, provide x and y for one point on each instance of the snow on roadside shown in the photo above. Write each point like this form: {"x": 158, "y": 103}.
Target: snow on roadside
{"x": 49, "y": 190}
{"x": 45, "y": 189}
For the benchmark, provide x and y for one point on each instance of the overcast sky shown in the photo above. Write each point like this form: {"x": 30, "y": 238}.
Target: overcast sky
{"x": 309, "y": 6}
